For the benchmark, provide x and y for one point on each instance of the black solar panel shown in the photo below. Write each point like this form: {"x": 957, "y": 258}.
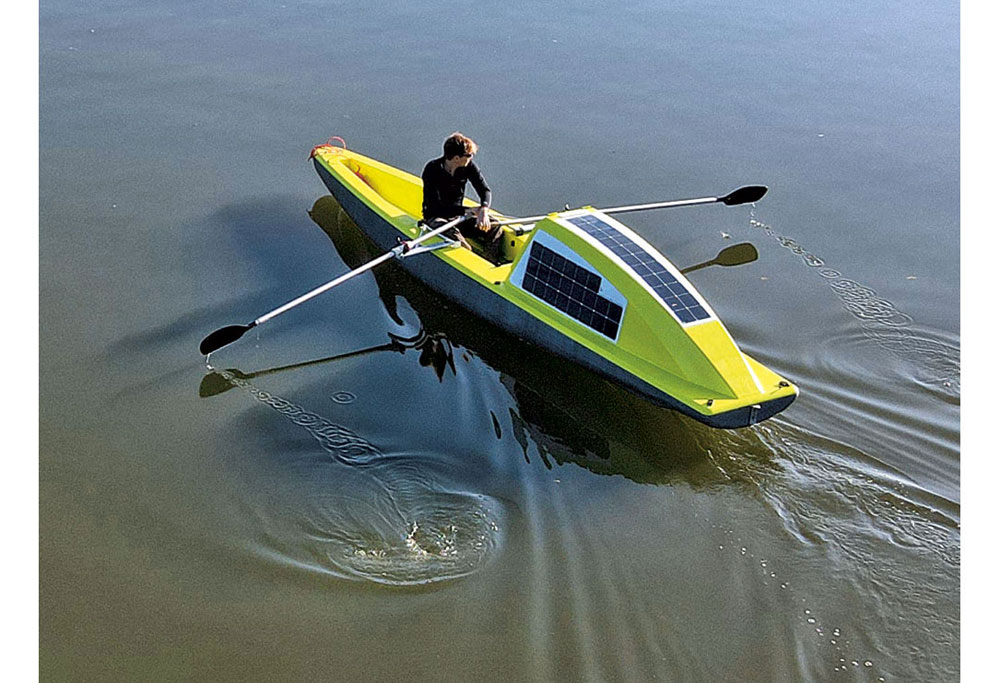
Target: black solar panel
{"x": 570, "y": 288}
{"x": 671, "y": 292}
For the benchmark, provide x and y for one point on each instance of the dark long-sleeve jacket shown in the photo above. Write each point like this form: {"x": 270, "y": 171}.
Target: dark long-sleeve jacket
{"x": 443, "y": 192}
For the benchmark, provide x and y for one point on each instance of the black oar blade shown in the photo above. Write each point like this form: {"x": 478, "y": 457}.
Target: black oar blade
{"x": 744, "y": 195}
{"x": 737, "y": 255}
{"x": 223, "y": 336}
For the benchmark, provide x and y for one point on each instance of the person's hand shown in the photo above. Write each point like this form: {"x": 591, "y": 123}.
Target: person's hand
{"x": 483, "y": 218}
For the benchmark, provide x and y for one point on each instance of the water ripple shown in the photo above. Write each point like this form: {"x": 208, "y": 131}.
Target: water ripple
{"x": 377, "y": 517}
{"x": 895, "y": 544}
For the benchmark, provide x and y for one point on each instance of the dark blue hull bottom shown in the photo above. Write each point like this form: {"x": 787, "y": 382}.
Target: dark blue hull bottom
{"x": 477, "y": 298}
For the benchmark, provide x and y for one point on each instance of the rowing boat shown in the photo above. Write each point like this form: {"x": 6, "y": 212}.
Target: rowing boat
{"x": 580, "y": 284}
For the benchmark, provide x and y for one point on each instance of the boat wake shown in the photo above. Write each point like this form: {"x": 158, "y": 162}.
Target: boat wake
{"x": 890, "y": 549}
{"x": 881, "y": 321}
{"x": 372, "y": 516}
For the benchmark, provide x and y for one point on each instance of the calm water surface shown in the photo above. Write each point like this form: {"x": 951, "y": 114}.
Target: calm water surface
{"x": 375, "y": 486}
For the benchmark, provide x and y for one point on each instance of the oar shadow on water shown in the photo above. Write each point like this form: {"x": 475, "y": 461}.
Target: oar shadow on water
{"x": 215, "y": 383}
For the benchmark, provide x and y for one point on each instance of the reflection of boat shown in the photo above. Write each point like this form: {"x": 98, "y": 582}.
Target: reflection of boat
{"x": 581, "y": 285}
{"x": 568, "y": 413}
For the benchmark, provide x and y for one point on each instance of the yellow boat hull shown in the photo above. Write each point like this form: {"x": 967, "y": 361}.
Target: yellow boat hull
{"x": 653, "y": 346}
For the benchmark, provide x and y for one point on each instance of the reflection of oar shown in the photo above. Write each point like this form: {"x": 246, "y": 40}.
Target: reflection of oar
{"x": 214, "y": 383}
{"x": 736, "y": 255}
{"x": 227, "y": 335}
{"x": 743, "y": 195}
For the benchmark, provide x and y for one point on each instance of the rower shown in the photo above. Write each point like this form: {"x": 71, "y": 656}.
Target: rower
{"x": 444, "y": 189}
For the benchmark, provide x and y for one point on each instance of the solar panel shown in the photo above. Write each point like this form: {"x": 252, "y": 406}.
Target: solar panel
{"x": 571, "y": 288}
{"x": 675, "y": 295}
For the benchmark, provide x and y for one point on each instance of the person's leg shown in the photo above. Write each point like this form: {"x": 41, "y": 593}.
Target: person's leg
{"x": 494, "y": 244}
{"x": 452, "y": 234}
{"x": 490, "y": 239}
{"x": 467, "y": 228}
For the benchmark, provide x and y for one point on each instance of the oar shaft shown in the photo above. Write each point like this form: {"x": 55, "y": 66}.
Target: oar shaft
{"x": 742, "y": 195}
{"x": 662, "y": 205}
{"x": 623, "y": 209}
{"x": 322, "y": 288}
{"x": 403, "y": 248}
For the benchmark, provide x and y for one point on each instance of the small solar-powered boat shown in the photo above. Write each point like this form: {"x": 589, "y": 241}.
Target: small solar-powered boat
{"x": 578, "y": 283}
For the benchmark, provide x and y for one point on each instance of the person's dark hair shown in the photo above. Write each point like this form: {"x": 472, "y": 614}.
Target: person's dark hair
{"x": 457, "y": 145}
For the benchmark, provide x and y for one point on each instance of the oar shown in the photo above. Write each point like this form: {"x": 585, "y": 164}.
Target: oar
{"x": 743, "y": 195}
{"x": 736, "y": 255}
{"x": 227, "y": 335}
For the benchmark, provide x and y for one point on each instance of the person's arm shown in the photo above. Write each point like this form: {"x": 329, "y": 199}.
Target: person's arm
{"x": 479, "y": 182}
{"x": 485, "y": 196}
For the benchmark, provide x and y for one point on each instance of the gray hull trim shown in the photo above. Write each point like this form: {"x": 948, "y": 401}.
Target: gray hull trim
{"x": 481, "y": 300}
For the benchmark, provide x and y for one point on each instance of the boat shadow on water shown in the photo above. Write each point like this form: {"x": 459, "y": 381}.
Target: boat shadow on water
{"x": 567, "y": 412}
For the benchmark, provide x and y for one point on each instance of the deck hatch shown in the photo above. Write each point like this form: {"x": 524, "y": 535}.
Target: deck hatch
{"x": 572, "y": 289}
{"x": 675, "y": 295}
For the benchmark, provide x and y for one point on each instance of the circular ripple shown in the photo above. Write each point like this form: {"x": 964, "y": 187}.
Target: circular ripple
{"x": 446, "y": 536}
{"x": 394, "y": 533}
{"x": 343, "y": 397}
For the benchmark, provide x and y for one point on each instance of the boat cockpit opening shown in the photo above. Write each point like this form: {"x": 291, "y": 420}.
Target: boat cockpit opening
{"x": 512, "y": 242}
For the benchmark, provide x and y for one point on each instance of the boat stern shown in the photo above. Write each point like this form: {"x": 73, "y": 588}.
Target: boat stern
{"x": 612, "y": 292}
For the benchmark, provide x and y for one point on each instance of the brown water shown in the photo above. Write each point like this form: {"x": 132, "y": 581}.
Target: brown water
{"x": 376, "y": 486}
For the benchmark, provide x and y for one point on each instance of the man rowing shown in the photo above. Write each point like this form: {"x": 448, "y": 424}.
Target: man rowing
{"x": 444, "y": 189}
